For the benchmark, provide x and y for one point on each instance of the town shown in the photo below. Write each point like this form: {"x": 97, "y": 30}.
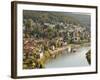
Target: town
{"x": 43, "y": 40}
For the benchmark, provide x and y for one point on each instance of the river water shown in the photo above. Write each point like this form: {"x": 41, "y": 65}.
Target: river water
{"x": 66, "y": 59}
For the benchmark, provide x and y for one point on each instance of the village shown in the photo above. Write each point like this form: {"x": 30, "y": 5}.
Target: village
{"x": 42, "y": 42}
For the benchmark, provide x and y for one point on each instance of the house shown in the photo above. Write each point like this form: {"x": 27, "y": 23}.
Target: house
{"x": 64, "y": 43}
{"x": 52, "y": 47}
{"x": 69, "y": 49}
{"x": 76, "y": 36}
{"x": 41, "y": 55}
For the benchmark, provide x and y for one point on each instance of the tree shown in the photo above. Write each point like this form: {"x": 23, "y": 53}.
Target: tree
{"x": 29, "y": 25}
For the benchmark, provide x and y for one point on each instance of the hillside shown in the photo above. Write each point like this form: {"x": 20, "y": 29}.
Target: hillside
{"x": 50, "y": 17}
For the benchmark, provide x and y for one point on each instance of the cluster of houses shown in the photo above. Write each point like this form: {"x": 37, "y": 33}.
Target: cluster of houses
{"x": 78, "y": 34}
{"x": 35, "y": 47}
{"x": 31, "y": 47}
{"x": 75, "y": 31}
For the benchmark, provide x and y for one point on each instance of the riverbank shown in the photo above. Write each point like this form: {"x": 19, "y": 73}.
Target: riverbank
{"x": 71, "y": 46}
{"x": 35, "y": 61}
{"x": 88, "y": 56}
{"x": 69, "y": 60}
{"x": 53, "y": 54}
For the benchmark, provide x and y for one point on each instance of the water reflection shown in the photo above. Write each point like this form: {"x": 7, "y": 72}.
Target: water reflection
{"x": 66, "y": 59}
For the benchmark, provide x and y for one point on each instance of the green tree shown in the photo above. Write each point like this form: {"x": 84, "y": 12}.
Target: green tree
{"x": 28, "y": 25}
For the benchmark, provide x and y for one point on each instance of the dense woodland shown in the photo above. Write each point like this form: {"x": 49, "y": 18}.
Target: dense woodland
{"x": 49, "y": 17}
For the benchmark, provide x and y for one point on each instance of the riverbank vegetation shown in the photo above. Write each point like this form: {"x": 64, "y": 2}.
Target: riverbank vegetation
{"x": 88, "y": 56}
{"x": 47, "y": 33}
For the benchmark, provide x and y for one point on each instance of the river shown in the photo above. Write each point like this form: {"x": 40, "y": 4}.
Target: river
{"x": 66, "y": 59}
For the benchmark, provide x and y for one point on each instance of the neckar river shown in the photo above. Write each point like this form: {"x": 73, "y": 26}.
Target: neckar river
{"x": 66, "y": 59}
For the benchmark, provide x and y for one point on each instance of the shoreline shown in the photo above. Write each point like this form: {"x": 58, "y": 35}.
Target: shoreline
{"x": 52, "y": 54}
{"x": 68, "y": 60}
{"x": 56, "y": 53}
